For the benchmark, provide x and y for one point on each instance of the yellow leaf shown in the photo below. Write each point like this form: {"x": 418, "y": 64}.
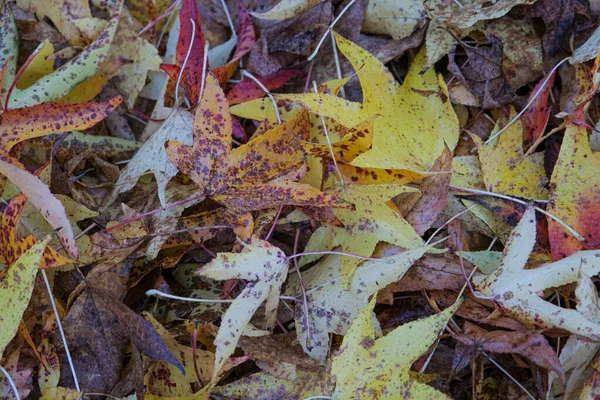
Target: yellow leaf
{"x": 286, "y": 9}
{"x": 415, "y": 118}
{"x": 373, "y": 221}
{"x": 63, "y": 13}
{"x": 38, "y": 67}
{"x": 505, "y": 168}
{"x": 61, "y": 393}
{"x": 397, "y": 19}
{"x": 368, "y": 368}
{"x": 16, "y": 287}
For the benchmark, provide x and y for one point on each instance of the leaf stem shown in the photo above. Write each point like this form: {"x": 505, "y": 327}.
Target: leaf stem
{"x": 529, "y": 103}
{"x": 302, "y": 288}
{"x": 11, "y": 383}
{"x": 160, "y": 17}
{"x": 335, "y": 21}
{"x": 339, "y": 253}
{"x": 185, "y": 60}
{"x": 268, "y": 93}
{"x": 540, "y": 210}
{"x": 158, "y": 293}
{"x": 61, "y": 330}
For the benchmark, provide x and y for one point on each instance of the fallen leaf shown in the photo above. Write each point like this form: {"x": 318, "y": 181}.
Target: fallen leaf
{"x": 248, "y": 90}
{"x": 574, "y": 195}
{"x": 365, "y": 366}
{"x": 516, "y": 289}
{"x": 16, "y": 286}
{"x": 372, "y": 221}
{"x": 331, "y": 306}
{"x": 263, "y": 264}
{"x": 506, "y": 170}
{"x": 558, "y": 16}
{"x": 530, "y": 344}
{"x": 398, "y": 20}
{"x": 482, "y": 73}
{"x": 415, "y": 116}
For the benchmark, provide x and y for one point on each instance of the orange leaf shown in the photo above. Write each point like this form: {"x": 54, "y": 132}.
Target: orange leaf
{"x": 354, "y": 143}
{"x": 40, "y": 120}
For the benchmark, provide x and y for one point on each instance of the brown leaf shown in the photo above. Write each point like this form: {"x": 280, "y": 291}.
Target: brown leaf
{"x": 530, "y": 344}
{"x": 482, "y": 74}
{"x": 422, "y": 209}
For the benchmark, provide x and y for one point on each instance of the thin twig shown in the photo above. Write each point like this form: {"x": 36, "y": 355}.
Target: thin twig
{"x": 529, "y": 103}
{"x": 335, "y": 21}
{"x": 302, "y": 289}
{"x": 337, "y": 169}
{"x": 61, "y": 330}
{"x": 268, "y": 93}
{"x": 158, "y": 293}
{"x": 336, "y": 58}
{"x": 11, "y": 383}
{"x": 502, "y": 196}
{"x": 160, "y": 17}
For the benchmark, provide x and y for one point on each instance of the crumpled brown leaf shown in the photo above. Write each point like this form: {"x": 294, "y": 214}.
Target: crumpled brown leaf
{"x": 482, "y": 73}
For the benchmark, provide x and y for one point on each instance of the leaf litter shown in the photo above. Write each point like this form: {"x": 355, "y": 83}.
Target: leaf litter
{"x": 299, "y": 199}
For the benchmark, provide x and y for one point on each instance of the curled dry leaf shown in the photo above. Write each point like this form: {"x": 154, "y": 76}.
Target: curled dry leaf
{"x": 530, "y": 344}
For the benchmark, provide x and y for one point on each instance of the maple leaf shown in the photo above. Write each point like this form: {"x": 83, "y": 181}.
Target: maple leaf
{"x": 366, "y": 367}
{"x": 268, "y": 387}
{"x": 372, "y": 222}
{"x": 506, "y": 170}
{"x": 578, "y": 353}
{"x": 416, "y": 117}
{"x": 575, "y": 194}
{"x": 530, "y": 344}
{"x": 558, "y": 16}
{"x": 333, "y": 307}
{"x": 263, "y": 264}
{"x": 16, "y": 286}
{"x": 516, "y": 289}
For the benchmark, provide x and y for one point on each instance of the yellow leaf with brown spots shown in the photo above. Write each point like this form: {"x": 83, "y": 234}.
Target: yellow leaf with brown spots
{"x": 11, "y": 247}
{"x": 373, "y": 221}
{"x": 416, "y": 118}
{"x": 506, "y": 169}
{"x": 370, "y": 368}
{"x": 16, "y": 286}
{"x": 354, "y": 143}
{"x": 61, "y": 393}
{"x": 263, "y": 264}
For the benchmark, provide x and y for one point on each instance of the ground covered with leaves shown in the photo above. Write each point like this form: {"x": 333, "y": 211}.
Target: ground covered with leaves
{"x": 299, "y": 199}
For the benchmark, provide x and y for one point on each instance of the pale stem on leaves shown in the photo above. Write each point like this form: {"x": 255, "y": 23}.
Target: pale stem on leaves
{"x": 336, "y": 58}
{"x": 61, "y": 330}
{"x": 204, "y": 67}
{"x": 229, "y": 20}
{"x": 185, "y": 60}
{"x": 529, "y": 103}
{"x": 268, "y": 93}
{"x": 505, "y": 197}
{"x": 160, "y": 17}
{"x": 11, "y": 383}
{"x": 301, "y": 282}
{"x": 335, "y": 21}
{"x": 337, "y": 169}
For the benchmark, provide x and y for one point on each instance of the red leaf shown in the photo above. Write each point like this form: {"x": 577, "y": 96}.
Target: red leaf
{"x": 248, "y": 90}
{"x": 536, "y": 117}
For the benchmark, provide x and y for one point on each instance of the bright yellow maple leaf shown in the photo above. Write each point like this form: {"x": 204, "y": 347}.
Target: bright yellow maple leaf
{"x": 506, "y": 169}
{"x": 369, "y": 368}
{"x": 416, "y": 118}
{"x": 373, "y": 221}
